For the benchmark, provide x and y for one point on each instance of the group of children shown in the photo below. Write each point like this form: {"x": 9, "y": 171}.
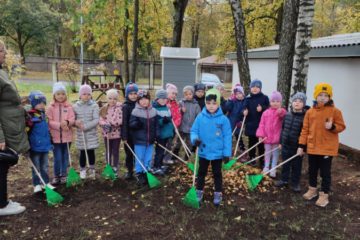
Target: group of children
{"x": 202, "y": 120}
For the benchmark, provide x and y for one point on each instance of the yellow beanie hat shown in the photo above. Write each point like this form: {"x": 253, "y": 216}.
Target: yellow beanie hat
{"x": 323, "y": 87}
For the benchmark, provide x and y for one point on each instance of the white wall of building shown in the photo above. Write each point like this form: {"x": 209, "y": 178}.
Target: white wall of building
{"x": 342, "y": 73}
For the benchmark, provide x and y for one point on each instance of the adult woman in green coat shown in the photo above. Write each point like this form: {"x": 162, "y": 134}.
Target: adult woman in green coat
{"x": 12, "y": 133}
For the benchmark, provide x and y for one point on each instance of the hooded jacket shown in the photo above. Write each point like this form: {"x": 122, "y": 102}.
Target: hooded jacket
{"x": 166, "y": 129}
{"x": 270, "y": 125}
{"x": 253, "y": 118}
{"x": 214, "y": 132}
{"x": 188, "y": 117}
{"x": 114, "y": 118}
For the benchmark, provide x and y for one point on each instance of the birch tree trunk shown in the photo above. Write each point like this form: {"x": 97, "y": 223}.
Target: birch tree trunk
{"x": 287, "y": 48}
{"x": 241, "y": 44}
{"x": 302, "y": 46}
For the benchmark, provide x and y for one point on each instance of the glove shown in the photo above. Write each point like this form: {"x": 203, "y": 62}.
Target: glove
{"x": 107, "y": 128}
{"x": 197, "y": 142}
{"x": 166, "y": 120}
{"x": 226, "y": 159}
{"x": 239, "y": 124}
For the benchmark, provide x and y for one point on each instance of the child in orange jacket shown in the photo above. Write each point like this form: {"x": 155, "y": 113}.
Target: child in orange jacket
{"x": 320, "y": 137}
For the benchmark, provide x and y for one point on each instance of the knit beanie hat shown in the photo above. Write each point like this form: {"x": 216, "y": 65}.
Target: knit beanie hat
{"x": 299, "y": 95}
{"x": 161, "y": 94}
{"x": 213, "y": 94}
{"x": 85, "y": 89}
{"x": 131, "y": 87}
{"x": 239, "y": 89}
{"x": 199, "y": 86}
{"x": 189, "y": 88}
{"x": 143, "y": 94}
{"x": 171, "y": 88}
{"x": 36, "y": 97}
{"x": 220, "y": 86}
{"x": 256, "y": 83}
{"x": 323, "y": 87}
{"x": 59, "y": 87}
{"x": 112, "y": 93}
{"x": 276, "y": 96}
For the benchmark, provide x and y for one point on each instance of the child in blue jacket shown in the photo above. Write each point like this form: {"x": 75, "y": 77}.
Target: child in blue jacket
{"x": 255, "y": 104}
{"x": 235, "y": 108}
{"x": 166, "y": 129}
{"x": 39, "y": 139}
{"x": 211, "y": 133}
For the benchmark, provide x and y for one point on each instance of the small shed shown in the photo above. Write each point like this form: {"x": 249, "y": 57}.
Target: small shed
{"x": 179, "y": 66}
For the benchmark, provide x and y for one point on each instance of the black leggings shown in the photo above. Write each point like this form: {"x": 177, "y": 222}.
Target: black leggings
{"x": 217, "y": 174}
{"x": 322, "y": 163}
{"x": 129, "y": 158}
{"x": 91, "y": 154}
{"x": 4, "y": 169}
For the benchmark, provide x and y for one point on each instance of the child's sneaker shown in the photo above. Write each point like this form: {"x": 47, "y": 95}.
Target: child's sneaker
{"x": 141, "y": 179}
{"x": 37, "y": 189}
{"x": 296, "y": 188}
{"x": 323, "y": 199}
{"x": 217, "y": 198}
{"x": 56, "y": 181}
{"x": 273, "y": 174}
{"x": 11, "y": 209}
{"x": 199, "y": 195}
{"x": 83, "y": 174}
{"x": 265, "y": 169}
{"x": 159, "y": 171}
{"x": 49, "y": 186}
{"x": 129, "y": 176}
{"x": 311, "y": 193}
{"x": 92, "y": 174}
{"x": 63, "y": 179}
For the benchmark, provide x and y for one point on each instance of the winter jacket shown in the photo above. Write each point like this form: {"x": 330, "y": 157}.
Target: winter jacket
{"x": 114, "y": 118}
{"x": 88, "y": 113}
{"x": 38, "y": 131}
{"x": 12, "y": 116}
{"x": 166, "y": 129}
{"x": 174, "y": 107}
{"x": 270, "y": 125}
{"x": 127, "y": 108}
{"x": 214, "y": 132}
{"x": 223, "y": 103}
{"x": 315, "y": 137}
{"x": 253, "y": 118}
{"x": 200, "y": 101}
{"x": 144, "y": 126}
{"x": 188, "y": 117}
{"x": 235, "y": 110}
{"x": 291, "y": 129}
{"x": 57, "y": 113}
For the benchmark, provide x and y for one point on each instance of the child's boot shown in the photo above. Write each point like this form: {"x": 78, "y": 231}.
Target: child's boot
{"x": 38, "y": 189}
{"x": 129, "y": 175}
{"x": 311, "y": 193}
{"x": 83, "y": 173}
{"x": 217, "y": 198}
{"x": 199, "y": 195}
{"x": 323, "y": 199}
{"x": 56, "y": 180}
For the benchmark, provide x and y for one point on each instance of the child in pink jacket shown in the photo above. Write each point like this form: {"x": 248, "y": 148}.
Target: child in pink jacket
{"x": 110, "y": 122}
{"x": 61, "y": 119}
{"x": 270, "y": 128}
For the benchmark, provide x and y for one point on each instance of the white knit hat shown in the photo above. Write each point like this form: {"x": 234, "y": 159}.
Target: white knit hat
{"x": 59, "y": 86}
{"x": 112, "y": 93}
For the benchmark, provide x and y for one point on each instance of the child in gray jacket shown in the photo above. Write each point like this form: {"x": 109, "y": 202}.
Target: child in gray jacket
{"x": 189, "y": 109}
{"x": 86, "y": 120}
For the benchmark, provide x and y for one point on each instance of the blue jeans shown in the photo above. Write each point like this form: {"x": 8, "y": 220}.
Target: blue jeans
{"x": 144, "y": 153}
{"x": 61, "y": 159}
{"x": 40, "y": 161}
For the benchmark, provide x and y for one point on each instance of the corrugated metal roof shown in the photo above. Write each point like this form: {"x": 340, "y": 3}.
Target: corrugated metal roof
{"x": 184, "y": 53}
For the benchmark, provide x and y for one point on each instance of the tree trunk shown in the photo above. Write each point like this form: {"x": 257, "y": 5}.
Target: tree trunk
{"x": 126, "y": 45}
{"x": 241, "y": 44}
{"x": 279, "y": 21}
{"x": 135, "y": 40}
{"x": 302, "y": 46}
{"x": 178, "y": 18}
{"x": 195, "y": 31}
{"x": 287, "y": 48}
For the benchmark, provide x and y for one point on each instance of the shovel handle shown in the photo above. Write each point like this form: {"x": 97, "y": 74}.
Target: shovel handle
{"x": 240, "y": 133}
{"x": 173, "y": 154}
{"x": 251, "y": 148}
{"x": 250, "y": 161}
{"x": 195, "y": 165}
{"x": 68, "y": 148}
{"x": 37, "y": 172}
{"x": 186, "y": 148}
{"x": 85, "y": 148}
{"x": 287, "y": 160}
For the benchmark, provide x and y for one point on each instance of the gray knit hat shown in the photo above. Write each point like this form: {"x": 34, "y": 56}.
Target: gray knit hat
{"x": 189, "y": 88}
{"x": 161, "y": 94}
{"x": 299, "y": 95}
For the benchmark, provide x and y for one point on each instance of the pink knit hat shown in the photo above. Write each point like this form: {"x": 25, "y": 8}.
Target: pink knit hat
{"x": 276, "y": 96}
{"x": 171, "y": 88}
{"x": 85, "y": 89}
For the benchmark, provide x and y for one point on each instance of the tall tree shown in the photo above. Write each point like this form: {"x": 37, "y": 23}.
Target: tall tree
{"x": 125, "y": 42}
{"x": 302, "y": 46}
{"x": 241, "y": 44}
{"x": 287, "y": 48}
{"x": 135, "y": 40}
{"x": 178, "y": 18}
{"x": 26, "y": 22}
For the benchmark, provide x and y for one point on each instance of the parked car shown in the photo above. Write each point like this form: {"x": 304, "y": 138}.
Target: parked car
{"x": 210, "y": 80}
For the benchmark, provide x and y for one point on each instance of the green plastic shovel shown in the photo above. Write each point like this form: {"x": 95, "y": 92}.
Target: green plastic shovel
{"x": 190, "y": 198}
{"x": 152, "y": 180}
{"x": 73, "y": 177}
{"x": 253, "y": 180}
{"x": 108, "y": 172}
